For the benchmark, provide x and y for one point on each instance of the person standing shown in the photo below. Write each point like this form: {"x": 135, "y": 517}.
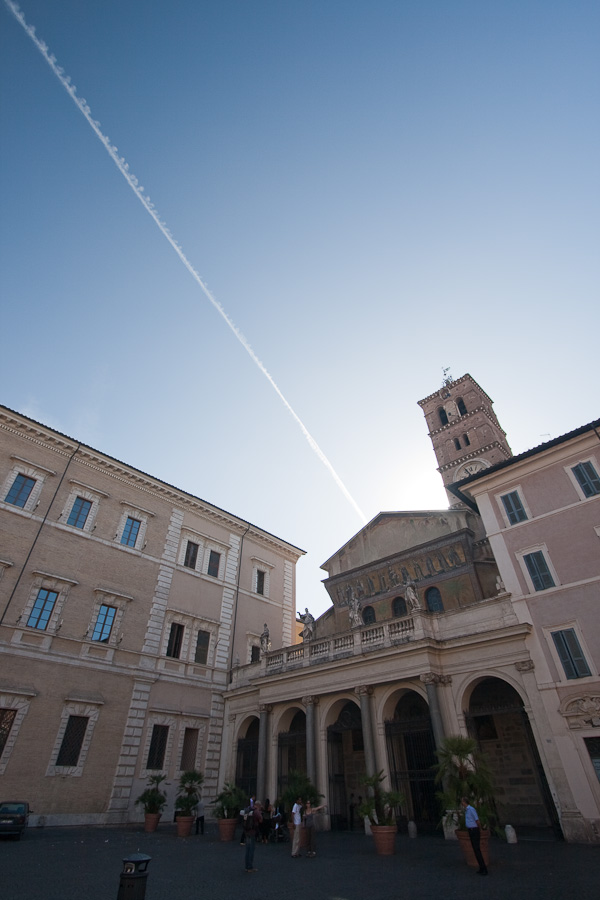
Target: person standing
{"x": 251, "y": 828}
{"x": 200, "y": 817}
{"x": 309, "y": 823}
{"x": 297, "y": 821}
{"x": 473, "y": 826}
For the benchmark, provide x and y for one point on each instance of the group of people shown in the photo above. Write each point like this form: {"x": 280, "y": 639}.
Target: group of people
{"x": 264, "y": 823}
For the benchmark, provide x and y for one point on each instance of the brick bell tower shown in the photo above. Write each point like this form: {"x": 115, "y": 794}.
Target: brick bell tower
{"x": 464, "y": 430}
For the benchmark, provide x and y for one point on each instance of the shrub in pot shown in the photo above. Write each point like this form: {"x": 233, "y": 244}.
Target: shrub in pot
{"x": 226, "y": 809}
{"x": 380, "y": 807}
{"x": 187, "y": 800}
{"x": 154, "y": 800}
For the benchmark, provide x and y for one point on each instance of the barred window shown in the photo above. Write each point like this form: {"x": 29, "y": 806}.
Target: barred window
{"x": 72, "y": 741}
{"x": 189, "y": 749}
{"x": 158, "y": 747}
{"x": 7, "y": 717}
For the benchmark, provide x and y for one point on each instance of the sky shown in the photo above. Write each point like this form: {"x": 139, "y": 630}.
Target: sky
{"x": 365, "y": 194}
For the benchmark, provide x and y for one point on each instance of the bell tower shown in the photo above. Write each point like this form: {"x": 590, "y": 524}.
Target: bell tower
{"x": 464, "y": 430}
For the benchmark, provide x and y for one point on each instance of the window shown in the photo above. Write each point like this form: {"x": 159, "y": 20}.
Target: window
{"x": 368, "y": 615}
{"x": 130, "y": 532}
{"x": 20, "y": 490}
{"x": 189, "y": 749}
{"x": 462, "y": 409}
{"x": 515, "y": 510}
{"x": 539, "y": 571}
{"x": 158, "y": 747}
{"x": 104, "y": 623}
{"x": 593, "y": 748}
{"x": 443, "y": 416}
{"x": 466, "y": 440}
{"x": 260, "y": 581}
{"x": 202, "y": 644}
{"x": 42, "y": 609}
{"x": 175, "y": 640}
{"x": 7, "y": 717}
{"x": 457, "y": 443}
{"x": 570, "y": 653}
{"x": 214, "y": 560}
{"x": 79, "y": 512}
{"x": 72, "y": 741}
{"x": 399, "y": 607}
{"x": 588, "y": 479}
{"x": 191, "y": 555}
{"x": 433, "y": 600}
{"x": 254, "y": 654}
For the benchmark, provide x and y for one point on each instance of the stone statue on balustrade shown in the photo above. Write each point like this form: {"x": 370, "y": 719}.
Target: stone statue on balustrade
{"x": 412, "y": 598}
{"x": 308, "y": 632}
{"x": 354, "y": 613}
{"x": 265, "y": 643}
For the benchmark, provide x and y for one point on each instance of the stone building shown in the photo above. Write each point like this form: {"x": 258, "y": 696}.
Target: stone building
{"x": 125, "y": 604}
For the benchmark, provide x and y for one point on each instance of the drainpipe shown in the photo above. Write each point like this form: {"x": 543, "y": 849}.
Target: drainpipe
{"x": 235, "y": 605}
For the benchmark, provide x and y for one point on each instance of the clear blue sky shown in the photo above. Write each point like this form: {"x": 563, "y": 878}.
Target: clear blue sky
{"x": 373, "y": 191}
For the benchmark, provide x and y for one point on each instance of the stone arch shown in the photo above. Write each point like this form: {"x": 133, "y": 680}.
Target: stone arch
{"x": 291, "y": 746}
{"x": 345, "y": 760}
{"x": 246, "y": 766}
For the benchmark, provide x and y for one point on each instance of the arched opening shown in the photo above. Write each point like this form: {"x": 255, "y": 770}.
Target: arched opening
{"x": 399, "y": 607}
{"x": 497, "y": 719}
{"x": 291, "y": 751}
{"x": 462, "y": 409}
{"x": 346, "y": 764}
{"x": 411, "y": 756}
{"x": 456, "y": 444}
{"x": 433, "y": 600}
{"x": 247, "y": 759}
{"x": 443, "y": 416}
{"x": 466, "y": 440}
{"x": 368, "y": 615}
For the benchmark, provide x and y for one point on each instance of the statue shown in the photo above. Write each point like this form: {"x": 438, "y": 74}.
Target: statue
{"x": 412, "y": 598}
{"x": 265, "y": 643}
{"x": 309, "y": 625}
{"x": 354, "y": 613}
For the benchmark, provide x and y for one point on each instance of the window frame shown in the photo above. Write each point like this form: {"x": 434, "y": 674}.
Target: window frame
{"x": 518, "y": 490}
{"x": 106, "y": 597}
{"x": 570, "y": 470}
{"x": 18, "y": 492}
{"x": 19, "y": 701}
{"x": 175, "y": 640}
{"x": 139, "y": 515}
{"x": 261, "y": 565}
{"x": 440, "y": 599}
{"x": 85, "y": 492}
{"x": 27, "y": 469}
{"x": 523, "y": 555}
{"x": 152, "y": 720}
{"x": 190, "y": 560}
{"x": 572, "y": 626}
{"x": 49, "y": 582}
{"x": 83, "y": 709}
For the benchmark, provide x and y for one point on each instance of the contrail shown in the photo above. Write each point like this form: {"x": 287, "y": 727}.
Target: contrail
{"x": 138, "y": 190}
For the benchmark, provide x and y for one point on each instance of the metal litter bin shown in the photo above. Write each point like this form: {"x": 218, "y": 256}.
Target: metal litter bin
{"x": 132, "y": 883}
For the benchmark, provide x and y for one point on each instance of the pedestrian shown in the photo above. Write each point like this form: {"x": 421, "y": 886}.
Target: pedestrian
{"x": 200, "y": 817}
{"x": 309, "y": 824}
{"x": 297, "y": 821}
{"x": 473, "y": 826}
{"x": 252, "y": 824}
{"x": 250, "y": 806}
{"x": 352, "y": 807}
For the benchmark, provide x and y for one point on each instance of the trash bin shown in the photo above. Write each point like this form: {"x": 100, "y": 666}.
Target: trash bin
{"x": 132, "y": 883}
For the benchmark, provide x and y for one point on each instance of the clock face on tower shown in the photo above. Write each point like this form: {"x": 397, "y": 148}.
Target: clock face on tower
{"x": 471, "y": 468}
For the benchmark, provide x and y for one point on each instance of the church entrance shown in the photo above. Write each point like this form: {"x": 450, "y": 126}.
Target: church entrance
{"x": 498, "y": 721}
{"x": 247, "y": 759}
{"x": 346, "y": 765}
{"x": 411, "y": 756}
{"x": 291, "y": 751}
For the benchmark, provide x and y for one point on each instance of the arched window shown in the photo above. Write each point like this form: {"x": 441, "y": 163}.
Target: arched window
{"x": 461, "y": 406}
{"x": 457, "y": 443}
{"x": 466, "y": 440}
{"x": 399, "y": 607}
{"x": 368, "y": 615}
{"x": 443, "y": 416}
{"x": 433, "y": 599}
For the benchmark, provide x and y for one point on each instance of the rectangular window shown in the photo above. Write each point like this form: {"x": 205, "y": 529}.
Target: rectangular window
{"x": 104, "y": 623}
{"x": 130, "y": 532}
{"x": 201, "y": 655}
{"x": 260, "y": 582}
{"x": 7, "y": 717}
{"x": 21, "y": 488}
{"x": 538, "y": 570}
{"x": 158, "y": 747}
{"x": 191, "y": 555}
{"x": 175, "y": 640}
{"x": 593, "y": 748}
{"x": 570, "y": 653}
{"x": 189, "y": 750}
{"x": 514, "y": 508}
{"x": 42, "y": 609}
{"x": 588, "y": 479}
{"x": 79, "y": 512}
{"x": 214, "y": 560}
{"x": 255, "y": 654}
{"x": 72, "y": 741}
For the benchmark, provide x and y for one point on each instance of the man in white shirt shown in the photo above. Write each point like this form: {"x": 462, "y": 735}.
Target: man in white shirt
{"x": 297, "y": 821}
{"x": 473, "y": 826}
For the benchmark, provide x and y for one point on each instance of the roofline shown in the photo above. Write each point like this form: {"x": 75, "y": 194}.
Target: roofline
{"x": 152, "y": 478}
{"x": 454, "y": 382}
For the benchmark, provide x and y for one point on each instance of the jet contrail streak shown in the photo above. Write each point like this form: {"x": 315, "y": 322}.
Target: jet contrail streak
{"x": 138, "y": 190}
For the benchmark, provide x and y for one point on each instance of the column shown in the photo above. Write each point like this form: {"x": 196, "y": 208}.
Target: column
{"x": 311, "y": 756}
{"x": 263, "y": 736}
{"x": 431, "y": 681}
{"x": 364, "y": 691}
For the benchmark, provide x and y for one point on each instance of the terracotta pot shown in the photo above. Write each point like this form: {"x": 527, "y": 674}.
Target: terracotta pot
{"x": 184, "y": 825}
{"x": 384, "y": 837}
{"x": 151, "y": 821}
{"x": 465, "y": 843}
{"x": 226, "y": 829}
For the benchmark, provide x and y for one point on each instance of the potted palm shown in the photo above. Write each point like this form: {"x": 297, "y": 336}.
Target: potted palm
{"x": 380, "y": 808}
{"x": 154, "y": 800}
{"x": 463, "y": 772}
{"x": 187, "y": 800}
{"x": 226, "y": 809}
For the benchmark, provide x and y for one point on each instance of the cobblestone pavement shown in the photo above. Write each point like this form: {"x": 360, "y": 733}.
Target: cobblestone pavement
{"x": 85, "y": 863}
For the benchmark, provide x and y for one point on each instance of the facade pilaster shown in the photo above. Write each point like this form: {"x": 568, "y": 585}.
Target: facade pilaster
{"x": 364, "y": 693}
